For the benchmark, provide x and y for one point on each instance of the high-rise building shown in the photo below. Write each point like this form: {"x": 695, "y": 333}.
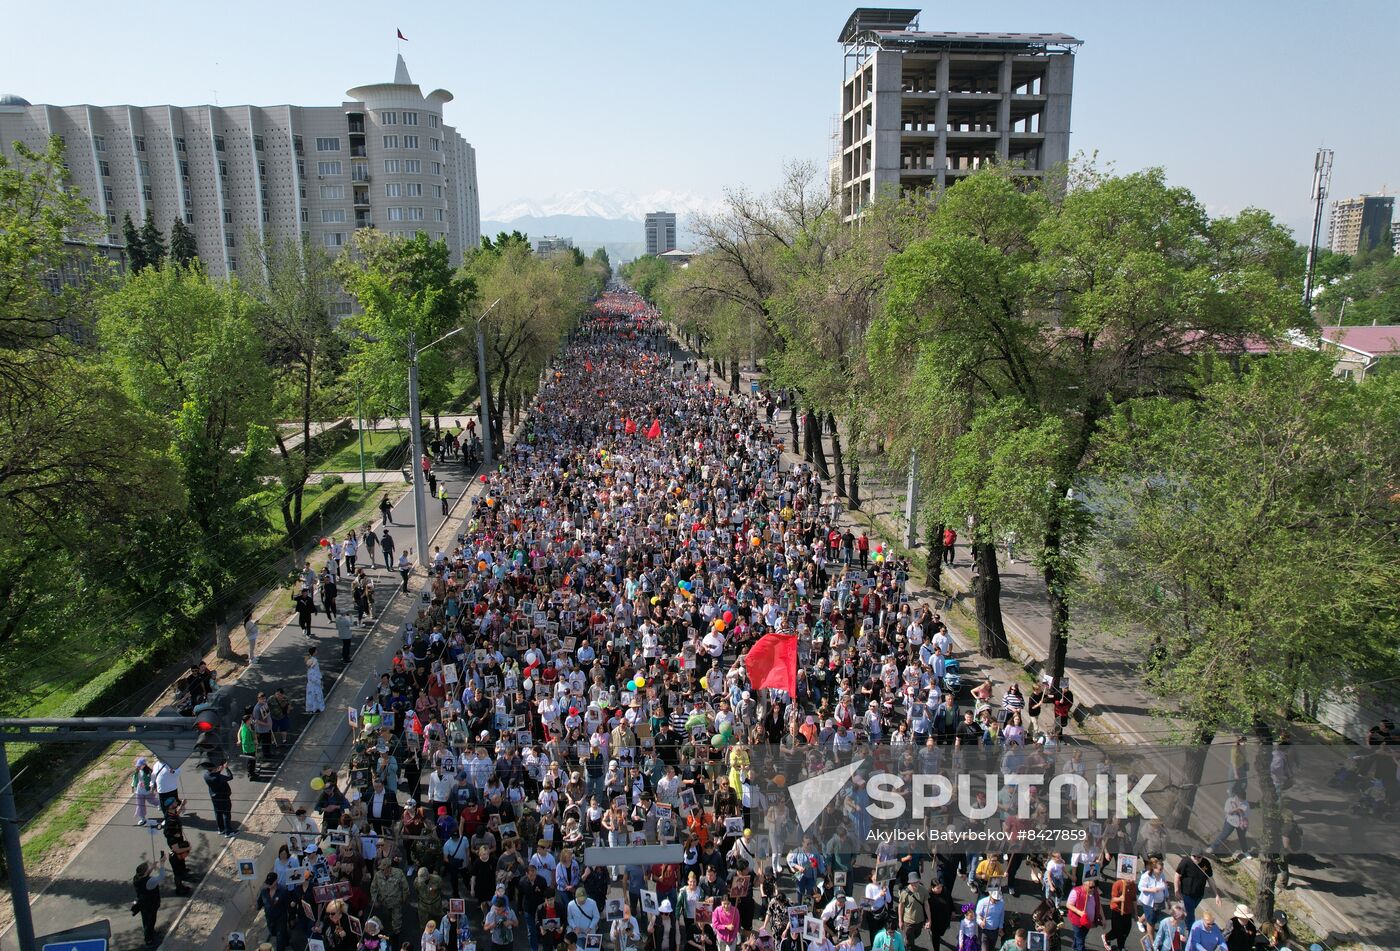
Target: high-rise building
{"x": 661, "y": 232}
{"x": 551, "y": 245}
{"x": 919, "y": 110}
{"x": 237, "y": 174}
{"x": 1360, "y": 223}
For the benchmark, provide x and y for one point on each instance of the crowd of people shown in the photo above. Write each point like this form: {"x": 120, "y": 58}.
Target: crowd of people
{"x": 574, "y": 677}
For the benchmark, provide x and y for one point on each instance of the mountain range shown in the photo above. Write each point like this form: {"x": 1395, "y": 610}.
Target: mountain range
{"x": 593, "y": 219}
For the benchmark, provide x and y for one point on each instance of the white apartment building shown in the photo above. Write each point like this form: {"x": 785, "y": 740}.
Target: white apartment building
{"x": 236, "y": 174}
{"x": 660, "y": 232}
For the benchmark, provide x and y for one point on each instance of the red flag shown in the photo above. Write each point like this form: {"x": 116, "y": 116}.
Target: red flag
{"x": 588, "y": 366}
{"x": 654, "y": 430}
{"x": 629, "y": 426}
{"x": 401, "y": 36}
{"x": 772, "y": 662}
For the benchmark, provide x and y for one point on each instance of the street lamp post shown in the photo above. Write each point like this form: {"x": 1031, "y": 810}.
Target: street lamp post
{"x": 420, "y": 515}
{"x": 488, "y": 438}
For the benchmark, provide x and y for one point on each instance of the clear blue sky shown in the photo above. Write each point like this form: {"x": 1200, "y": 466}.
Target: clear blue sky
{"x": 1230, "y": 96}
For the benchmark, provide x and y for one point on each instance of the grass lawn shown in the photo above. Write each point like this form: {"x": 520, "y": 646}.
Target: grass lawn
{"x": 347, "y": 457}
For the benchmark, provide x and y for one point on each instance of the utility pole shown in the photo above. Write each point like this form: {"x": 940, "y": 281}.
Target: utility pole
{"x": 360, "y": 421}
{"x": 911, "y": 501}
{"x": 173, "y": 731}
{"x": 415, "y": 430}
{"x": 488, "y": 438}
{"x": 1322, "y": 178}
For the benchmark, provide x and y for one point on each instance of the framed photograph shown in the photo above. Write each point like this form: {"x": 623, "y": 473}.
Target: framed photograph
{"x": 1092, "y": 870}
{"x": 449, "y": 674}
{"x": 592, "y": 942}
{"x": 523, "y": 738}
{"x": 323, "y": 894}
{"x": 352, "y": 716}
{"x": 1037, "y": 941}
{"x": 492, "y": 684}
{"x": 480, "y": 657}
{"x": 235, "y": 938}
{"x": 570, "y": 643}
{"x": 464, "y": 942}
{"x": 247, "y": 870}
{"x": 522, "y": 721}
{"x": 540, "y": 618}
{"x": 612, "y": 911}
{"x": 285, "y": 806}
{"x": 1095, "y": 831}
{"x": 306, "y": 909}
{"x": 812, "y": 929}
{"x": 358, "y": 778}
{"x": 298, "y": 875}
{"x": 1128, "y": 867}
{"x": 550, "y": 925}
{"x": 456, "y": 906}
{"x": 733, "y": 826}
{"x": 688, "y": 801}
{"x": 338, "y": 837}
{"x": 593, "y": 716}
{"x": 508, "y": 829}
{"x": 839, "y": 878}
{"x": 341, "y": 889}
{"x": 650, "y": 905}
{"x": 522, "y": 641}
{"x": 886, "y": 871}
{"x": 356, "y": 928}
{"x": 704, "y": 911}
{"x": 315, "y": 944}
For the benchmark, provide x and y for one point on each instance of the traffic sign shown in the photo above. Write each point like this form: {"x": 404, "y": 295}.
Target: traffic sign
{"x": 86, "y": 944}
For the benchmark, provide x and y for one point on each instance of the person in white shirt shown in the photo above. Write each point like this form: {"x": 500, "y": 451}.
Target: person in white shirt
{"x": 583, "y": 914}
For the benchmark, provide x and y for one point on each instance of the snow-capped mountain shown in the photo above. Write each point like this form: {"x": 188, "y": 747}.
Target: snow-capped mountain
{"x": 611, "y": 205}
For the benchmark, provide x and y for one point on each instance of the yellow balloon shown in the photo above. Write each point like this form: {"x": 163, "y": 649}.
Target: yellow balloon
{"x": 641, "y": 681}
{"x": 318, "y": 784}
{"x": 704, "y": 683}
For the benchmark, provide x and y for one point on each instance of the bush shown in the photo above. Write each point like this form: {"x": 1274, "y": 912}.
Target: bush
{"x": 332, "y": 480}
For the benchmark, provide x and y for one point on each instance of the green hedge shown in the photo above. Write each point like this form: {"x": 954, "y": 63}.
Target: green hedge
{"x": 394, "y": 456}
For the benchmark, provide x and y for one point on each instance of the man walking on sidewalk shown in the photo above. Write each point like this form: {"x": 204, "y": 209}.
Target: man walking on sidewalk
{"x": 344, "y": 628}
{"x": 262, "y": 725}
{"x": 386, "y": 509}
{"x": 219, "y": 779}
{"x": 386, "y": 547}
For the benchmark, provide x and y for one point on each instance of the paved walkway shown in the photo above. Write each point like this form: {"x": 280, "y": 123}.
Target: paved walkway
{"x": 96, "y": 882}
{"x": 1336, "y": 897}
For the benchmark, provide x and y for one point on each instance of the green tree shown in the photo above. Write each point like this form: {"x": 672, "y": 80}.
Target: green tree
{"x": 600, "y": 258}
{"x": 647, "y": 275}
{"x": 152, "y": 244}
{"x": 183, "y": 248}
{"x": 1368, "y": 295}
{"x": 135, "y": 248}
{"x": 402, "y": 285}
{"x": 188, "y": 351}
{"x": 1248, "y": 542}
{"x": 296, "y": 287}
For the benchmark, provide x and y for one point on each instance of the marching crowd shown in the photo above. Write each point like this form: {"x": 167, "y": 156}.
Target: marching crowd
{"x": 574, "y": 677}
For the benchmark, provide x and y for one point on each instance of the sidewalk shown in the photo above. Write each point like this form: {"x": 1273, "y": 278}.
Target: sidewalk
{"x": 96, "y": 882}
{"x": 1338, "y": 896}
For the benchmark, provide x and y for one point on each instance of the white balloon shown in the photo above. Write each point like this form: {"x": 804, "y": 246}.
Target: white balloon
{"x": 531, "y": 657}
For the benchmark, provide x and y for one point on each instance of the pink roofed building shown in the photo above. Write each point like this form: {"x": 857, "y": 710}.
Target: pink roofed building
{"x": 1360, "y": 350}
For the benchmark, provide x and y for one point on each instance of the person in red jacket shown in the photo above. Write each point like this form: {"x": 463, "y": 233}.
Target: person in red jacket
{"x": 1084, "y": 910}
{"x": 950, "y": 539}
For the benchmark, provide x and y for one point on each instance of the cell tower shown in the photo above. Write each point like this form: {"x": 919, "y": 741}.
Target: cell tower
{"x": 1322, "y": 178}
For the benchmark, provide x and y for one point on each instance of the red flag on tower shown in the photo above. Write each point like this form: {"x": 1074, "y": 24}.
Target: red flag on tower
{"x": 772, "y": 662}
{"x": 401, "y": 36}
{"x": 654, "y": 430}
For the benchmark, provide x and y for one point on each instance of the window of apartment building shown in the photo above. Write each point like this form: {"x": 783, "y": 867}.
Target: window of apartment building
{"x": 436, "y": 144}
{"x": 396, "y": 214}
{"x": 442, "y": 214}
{"x": 233, "y": 264}
{"x": 388, "y": 118}
{"x": 410, "y": 118}
{"x": 145, "y": 169}
{"x": 258, "y": 142}
{"x": 410, "y": 141}
{"x": 223, "y": 167}
{"x": 334, "y": 239}
{"x": 189, "y": 217}
{"x": 414, "y": 189}
{"x": 301, "y": 190}
{"x": 305, "y": 216}
{"x": 437, "y": 191}
{"x": 111, "y": 217}
{"x": 413, "y": 166}
{"x": 218, "y": 143}
{"x": 392, "y": 166}
{"x": 146, "y": 192}
{"x": 228, "y": 216}
{"x": 301, "y": 168}
{"x": 263, "y": 191}
{"x": 179, "y": 143}
{"x": 262, "y": 169}
{"x": 184, "y": 168}
{"x": 328, "y": 168}
{"x": 107, "y": 193}
{"x": 436, "y": 167}
{"x": 297, "y": 146}
{"x": 104, "y": 168}
{"x": 340, "y": 308}
{"x": 328, "y": 144}
{"x": 267, "y": 216}
{"x": 391, "y": 141}
{"x": 332, "y": 192}
{"x": 99, "y": 142}
{"x": 229, "y": 240}
{"x": 140, "y": 141}
{"x": 332, "y": 216}
{"x": 432, "y": 121}
{"x": 415, "y": 214}
{"x": 393, "y": 190}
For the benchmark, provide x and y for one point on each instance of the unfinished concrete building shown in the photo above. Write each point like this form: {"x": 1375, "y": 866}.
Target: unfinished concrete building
{"x": 920, "y": 110}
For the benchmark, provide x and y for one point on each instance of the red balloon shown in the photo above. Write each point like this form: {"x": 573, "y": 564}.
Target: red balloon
{"x": 728, "y": 617}
{"x": 325, "y": 543}
{"x": 483, "y": 479}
